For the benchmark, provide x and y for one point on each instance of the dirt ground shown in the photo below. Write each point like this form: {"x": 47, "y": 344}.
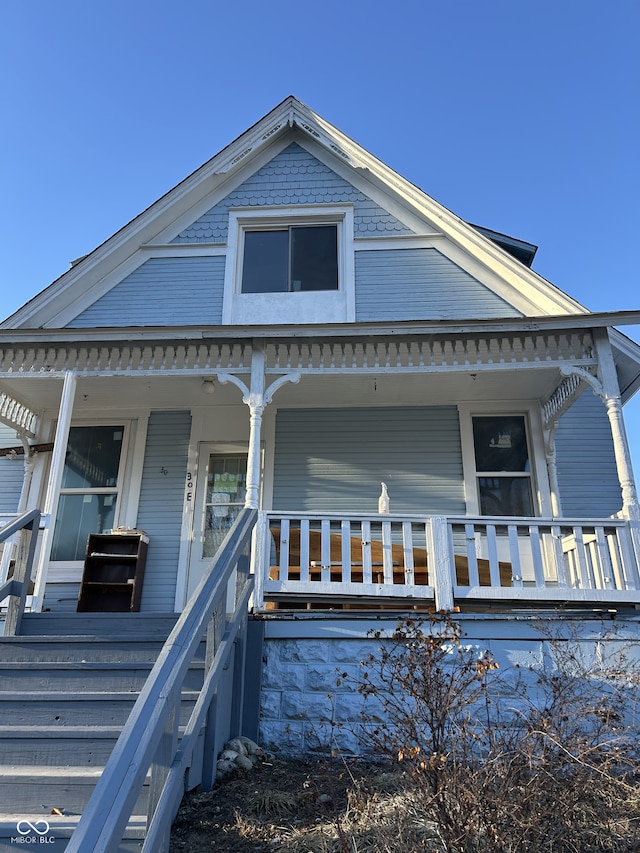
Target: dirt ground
{"x": 304, "y": 806}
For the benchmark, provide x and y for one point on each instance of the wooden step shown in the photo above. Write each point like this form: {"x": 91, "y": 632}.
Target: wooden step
{"x": 23, "y": 831}
{"x": 32, "y": 789}
{"x": 67, "y": 686}
{"x": 86, "y": 746}
{"x": 82, "y": 676}
{"x": 76, "y": 648}
{"x": 61, "y": 708}
{"x": 110, "y": 625}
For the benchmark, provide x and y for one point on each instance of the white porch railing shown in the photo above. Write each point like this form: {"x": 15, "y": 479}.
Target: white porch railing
{"x": 352, "y": 561}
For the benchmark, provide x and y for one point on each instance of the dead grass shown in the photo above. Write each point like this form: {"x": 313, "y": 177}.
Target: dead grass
{"x": 306, "y": 806}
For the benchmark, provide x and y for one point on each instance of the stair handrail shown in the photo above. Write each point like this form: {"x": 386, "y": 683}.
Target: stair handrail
{"x": 16, "y": 587}
{"x": 154, "y": 718}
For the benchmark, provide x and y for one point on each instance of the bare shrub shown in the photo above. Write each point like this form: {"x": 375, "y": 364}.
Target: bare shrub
{"x": 536, "y": 760}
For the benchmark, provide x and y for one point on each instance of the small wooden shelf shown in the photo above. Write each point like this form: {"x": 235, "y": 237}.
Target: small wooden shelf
{"x": 113, "y": 572}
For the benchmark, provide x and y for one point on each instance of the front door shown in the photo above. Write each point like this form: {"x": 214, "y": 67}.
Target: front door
{"x": 220, "y": 494}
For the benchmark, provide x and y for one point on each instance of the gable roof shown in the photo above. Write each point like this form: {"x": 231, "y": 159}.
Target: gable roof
{"x": 491, "y": 252}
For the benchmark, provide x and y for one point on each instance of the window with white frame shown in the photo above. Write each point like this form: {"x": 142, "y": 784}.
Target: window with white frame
{"x": 90, "y": 489}
{"x": 502, "y": 465}
{"x": 290, "y": 264}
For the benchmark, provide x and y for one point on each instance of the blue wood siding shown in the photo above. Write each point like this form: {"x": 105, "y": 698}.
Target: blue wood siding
{"x": 587, "y": 475}
{"x": 61, "y": 597}
{"x": 161, "y": 292}
{"x": 161, "y": 505}
{"x": 417, "y": 284}
{"x": 11, "y": 472}
{"x": 294, "y": 177}
{"x": 333, "y": 460}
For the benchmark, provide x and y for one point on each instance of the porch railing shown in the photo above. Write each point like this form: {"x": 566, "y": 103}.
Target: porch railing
{"x": 359, "y": 560}
{"x": 149, "y": 742}
{"x": 14, "y": 589}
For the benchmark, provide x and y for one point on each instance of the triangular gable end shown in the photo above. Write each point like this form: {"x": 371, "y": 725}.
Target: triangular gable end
{"x": 383, "y": 200}
{"x": 184, "y": 290}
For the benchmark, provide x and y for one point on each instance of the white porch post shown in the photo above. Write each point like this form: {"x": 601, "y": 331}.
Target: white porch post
{"x": 252, "y": 496}
{"x": 256, "y": 398}
{"x": 256, "y": 403}
{"x": 50, "y": 507}
{"x": 552, "y": 468}
{"x": 611, "y": 398}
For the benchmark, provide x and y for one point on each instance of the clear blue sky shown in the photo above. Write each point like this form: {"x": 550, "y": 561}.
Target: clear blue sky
{"x": 520, "y": 115}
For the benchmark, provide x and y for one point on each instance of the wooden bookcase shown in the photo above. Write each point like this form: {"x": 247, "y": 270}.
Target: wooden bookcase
{"x": 113, "y": 572}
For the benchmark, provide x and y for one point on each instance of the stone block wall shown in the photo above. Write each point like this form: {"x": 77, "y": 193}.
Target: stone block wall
{"x": 311, "y": 667}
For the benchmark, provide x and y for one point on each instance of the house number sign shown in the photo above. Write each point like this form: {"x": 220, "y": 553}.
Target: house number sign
{"x": 189, "y": 487}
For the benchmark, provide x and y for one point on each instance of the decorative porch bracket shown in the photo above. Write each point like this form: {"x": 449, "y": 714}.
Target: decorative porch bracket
{"x": 608, "y": 391}
{"x": 256, "y": 397}
{"x": 17, "y": 415}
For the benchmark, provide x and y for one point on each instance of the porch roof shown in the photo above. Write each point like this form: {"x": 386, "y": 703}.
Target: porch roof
{"x": 498, "y": 352}
{"x": 149, "y": 334}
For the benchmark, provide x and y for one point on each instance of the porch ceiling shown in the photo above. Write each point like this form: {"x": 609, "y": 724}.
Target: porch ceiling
{"x": 42, "y": 393}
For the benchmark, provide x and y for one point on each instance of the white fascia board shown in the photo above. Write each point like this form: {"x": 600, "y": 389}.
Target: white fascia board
{"x": 149, "y": 334}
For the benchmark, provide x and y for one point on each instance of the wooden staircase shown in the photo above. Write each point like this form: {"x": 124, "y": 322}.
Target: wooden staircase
{"x": 67, "y": 686}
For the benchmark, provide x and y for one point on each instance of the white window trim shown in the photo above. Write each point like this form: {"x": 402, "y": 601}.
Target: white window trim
{"x": 539, "y": 479}
{"x": 67, "y": 570}
{"x": 244, "y": 219}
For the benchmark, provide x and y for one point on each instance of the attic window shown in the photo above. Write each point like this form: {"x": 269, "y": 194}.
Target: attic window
{"x": 294, "y": 258}
{"x": 290, "y": 264}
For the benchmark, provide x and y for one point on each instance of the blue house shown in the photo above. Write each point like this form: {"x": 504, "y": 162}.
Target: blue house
{"x": 289, "y": 328}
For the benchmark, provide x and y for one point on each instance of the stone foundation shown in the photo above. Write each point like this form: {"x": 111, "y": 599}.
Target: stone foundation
{"x": 311, "y": 666}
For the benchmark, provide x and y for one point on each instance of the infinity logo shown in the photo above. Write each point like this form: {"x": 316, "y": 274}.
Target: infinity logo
{"x": 41, "y": 827}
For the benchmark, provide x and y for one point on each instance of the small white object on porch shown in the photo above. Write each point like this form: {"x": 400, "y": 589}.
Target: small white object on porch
{"x": 383, "y": 500}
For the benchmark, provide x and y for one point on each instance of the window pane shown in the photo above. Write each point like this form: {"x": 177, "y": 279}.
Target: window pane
{"x": 266, "y": 262}
{"x": 226, "y": 479}
{"x": 314, "y": 258}
{"x": 216, "y": 527}
{"x": 93, "y": 457}
{"x": 505, "y": 496}
{"x": 226, "y": 484}
{"x": 78, "y": 516}
{"x": 500, "y": 443}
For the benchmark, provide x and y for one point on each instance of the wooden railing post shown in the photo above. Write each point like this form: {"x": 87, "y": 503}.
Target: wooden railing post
{"x": 28, "y": 538}
{"x": 632, "y": 514}
{"x": 260, "y": 558}
{"x": 164, "y": 757}
{"x": 441, "y": 567}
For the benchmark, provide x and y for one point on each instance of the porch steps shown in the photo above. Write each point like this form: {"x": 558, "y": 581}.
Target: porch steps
{"x": 67, "y": 686}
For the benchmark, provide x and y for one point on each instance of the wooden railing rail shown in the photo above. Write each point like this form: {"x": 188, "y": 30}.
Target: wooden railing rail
{"x": 17, "y": 586}
{"x": 149, "y": 740}
{"x": 306, "y": 554}
{"x": 316, "y": 557}
{"x": 545, "y": 559}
